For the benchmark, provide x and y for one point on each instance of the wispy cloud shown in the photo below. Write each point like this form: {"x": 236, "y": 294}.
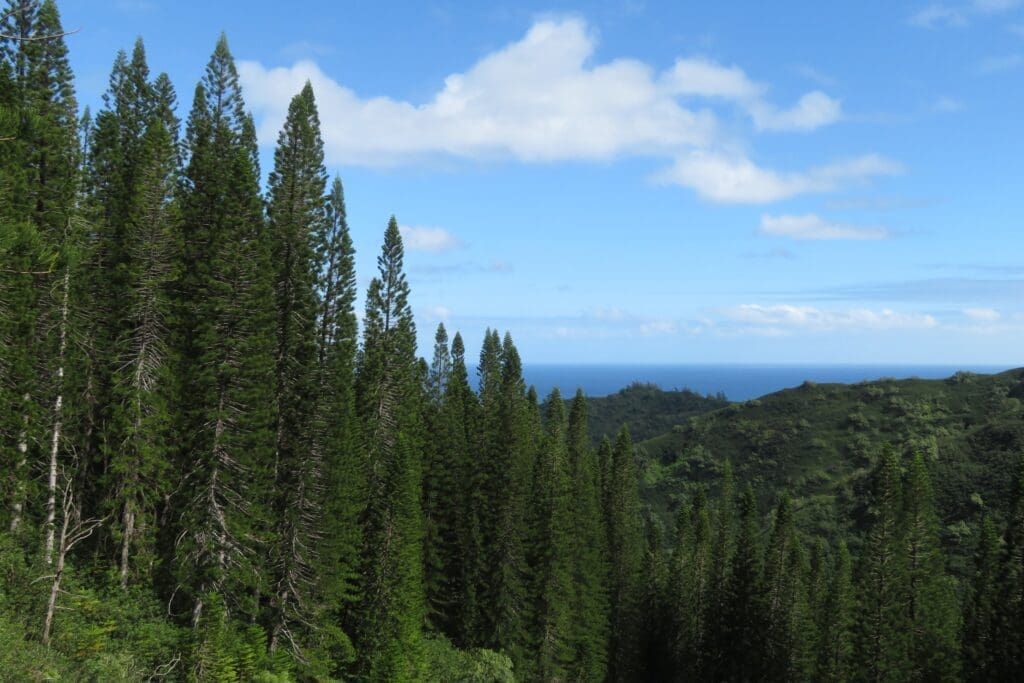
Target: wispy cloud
{"x": 992, "y": 65}
{"x": 942, "y": 15}
{"x": 789, "y": 318}
{"x": 813, "y": 227}
{"x": 994, "y": 6}
{"x": 982, "y": 314}
{"x": 460, "y": 268}
{"x": 947, "y": 104}
{"x": 738, "y": 180}
{"x": 963, "y": 290}
{"x": 304, "y": 49}
{"x": 435, "y": 240}
{"x": 936, "y": 16}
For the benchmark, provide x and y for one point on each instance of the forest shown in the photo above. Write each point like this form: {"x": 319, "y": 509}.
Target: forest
{"x": 213, "y": 469}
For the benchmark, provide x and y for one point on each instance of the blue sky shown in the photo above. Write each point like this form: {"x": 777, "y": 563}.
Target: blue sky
{"x": 653, "y": 182}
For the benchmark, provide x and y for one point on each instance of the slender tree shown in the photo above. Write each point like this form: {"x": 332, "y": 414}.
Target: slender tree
{"x": 882, "y": 640}
{"x": 392, "y": 607}
{"x": 225, "y": 353}
{"x": 589, "y": 552}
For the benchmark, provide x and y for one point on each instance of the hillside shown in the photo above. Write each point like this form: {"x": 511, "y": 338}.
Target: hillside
{"x": 821, "y": 441}
{"x": 648, "y": 410}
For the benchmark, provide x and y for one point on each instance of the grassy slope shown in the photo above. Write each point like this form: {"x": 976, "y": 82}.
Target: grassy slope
{"x": 821, "y": 441}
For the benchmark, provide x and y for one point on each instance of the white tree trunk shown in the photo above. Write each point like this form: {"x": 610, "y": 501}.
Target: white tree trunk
{"x": 58, "y": 421}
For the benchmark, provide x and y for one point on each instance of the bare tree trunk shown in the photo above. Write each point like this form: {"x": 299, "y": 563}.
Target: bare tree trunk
{"x": 73, "y": 529}
{"x": 18, "y": 506}
{"x": 58, "y": 420}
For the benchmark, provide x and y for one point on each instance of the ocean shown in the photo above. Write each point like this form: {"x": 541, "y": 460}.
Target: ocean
{"x": 737, "y": 382}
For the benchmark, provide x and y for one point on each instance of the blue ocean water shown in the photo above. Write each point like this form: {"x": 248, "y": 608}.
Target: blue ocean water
{"x": 737, "y": 382}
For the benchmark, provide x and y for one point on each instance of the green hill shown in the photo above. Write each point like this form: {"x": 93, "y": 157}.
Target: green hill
{"x": 647, "y": 409}
{"x": 820, "y": 441}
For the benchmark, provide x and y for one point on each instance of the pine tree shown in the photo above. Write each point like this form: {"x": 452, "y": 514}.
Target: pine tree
{"x": 336, "y": 426}
{"x": 552, "y": 561}
{"x": 783, "y": 582}
{"x": 742, "y": 651}
{"x": 461, "y": 541}
{"x": 835, "y": 659}
{"x": 296, "y": 217}
{"x": 882, "y": 640}
{"x": 133, "y": 163}
{"x": 225, "y": 352}
{"x": 1007, "y": 654}
{"x": 392, "y": 606}
{"x": 981, "y": 605}
{"x": 438, "y": 480}
{"x": 590, "y": 570}
{"x": 931, "y": 610}
{"x": 692, "y": 588}
{"x": 625, "y": 553}
{"x": 43, "y": 237}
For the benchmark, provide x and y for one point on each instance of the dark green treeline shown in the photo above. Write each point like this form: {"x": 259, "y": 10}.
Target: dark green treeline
{"x": 210, "y": 471}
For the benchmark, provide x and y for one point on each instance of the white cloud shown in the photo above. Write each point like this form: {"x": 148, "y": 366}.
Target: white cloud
{"x": 783, "y": 318}
{"x": 539, "y": 99}
{"x": 418, "y": 238}
{"x": 813, "y": 227}
{"x": 813, "y": 110}
{"x": 704, "y": 78}
{"x": 994, "y": 6}
{"x": 657, "y": 327}
{"x": 735, "y": 179}
{"x": 993, "y": 65}
{"x": 442, "y": 313}
{"x": 988, "y": 315}
{"x": 935, "y": 16}
{"x": 947, "y": 104}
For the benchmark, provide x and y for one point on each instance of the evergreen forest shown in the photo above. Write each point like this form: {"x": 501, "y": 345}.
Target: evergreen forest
{"x": 212, "y": 468}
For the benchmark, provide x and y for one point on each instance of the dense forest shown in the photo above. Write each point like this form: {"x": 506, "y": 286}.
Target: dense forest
{"x": 212, "y": 469}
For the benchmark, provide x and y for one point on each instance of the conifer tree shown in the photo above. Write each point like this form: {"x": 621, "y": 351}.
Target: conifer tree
{"x": 742, "y": 654}
{"x": 225, "y": 342}
{"x": 552, "y": 561}
{"x": 783, "y": 584}
{"x": 932, "y": 612}
{"x": 980, "y": 606}
{"x": 882, "y": 640}
{"x": 693, "y": 589}
{"x": 392, "y": 608}
{"x": 461, "y": 541}
{"x": 835, "y": 659}
{"x": 1008, "y": 634}
{"x": 438, "y": 480}
{"x": 336, "y": 426}
{"x": 296, "y": 217}
{"x": 590, "y": 571}
{"x": 41, "y": 173}
{"x": 625, "y": 553}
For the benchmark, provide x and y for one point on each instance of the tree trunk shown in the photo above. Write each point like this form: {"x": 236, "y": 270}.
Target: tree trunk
{"x": 58, "y": 411}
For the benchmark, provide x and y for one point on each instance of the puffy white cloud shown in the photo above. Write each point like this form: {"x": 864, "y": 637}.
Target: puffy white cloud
{"x": 782, "y": 318}
{"x": 418, "y": 238}
{"x": 736, "y": 179}
{"x": 813, "y": 227}
{"x": 539, "y": 99}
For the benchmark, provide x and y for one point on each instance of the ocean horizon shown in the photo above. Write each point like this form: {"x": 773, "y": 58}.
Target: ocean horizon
{"x": 738, "y": 382}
